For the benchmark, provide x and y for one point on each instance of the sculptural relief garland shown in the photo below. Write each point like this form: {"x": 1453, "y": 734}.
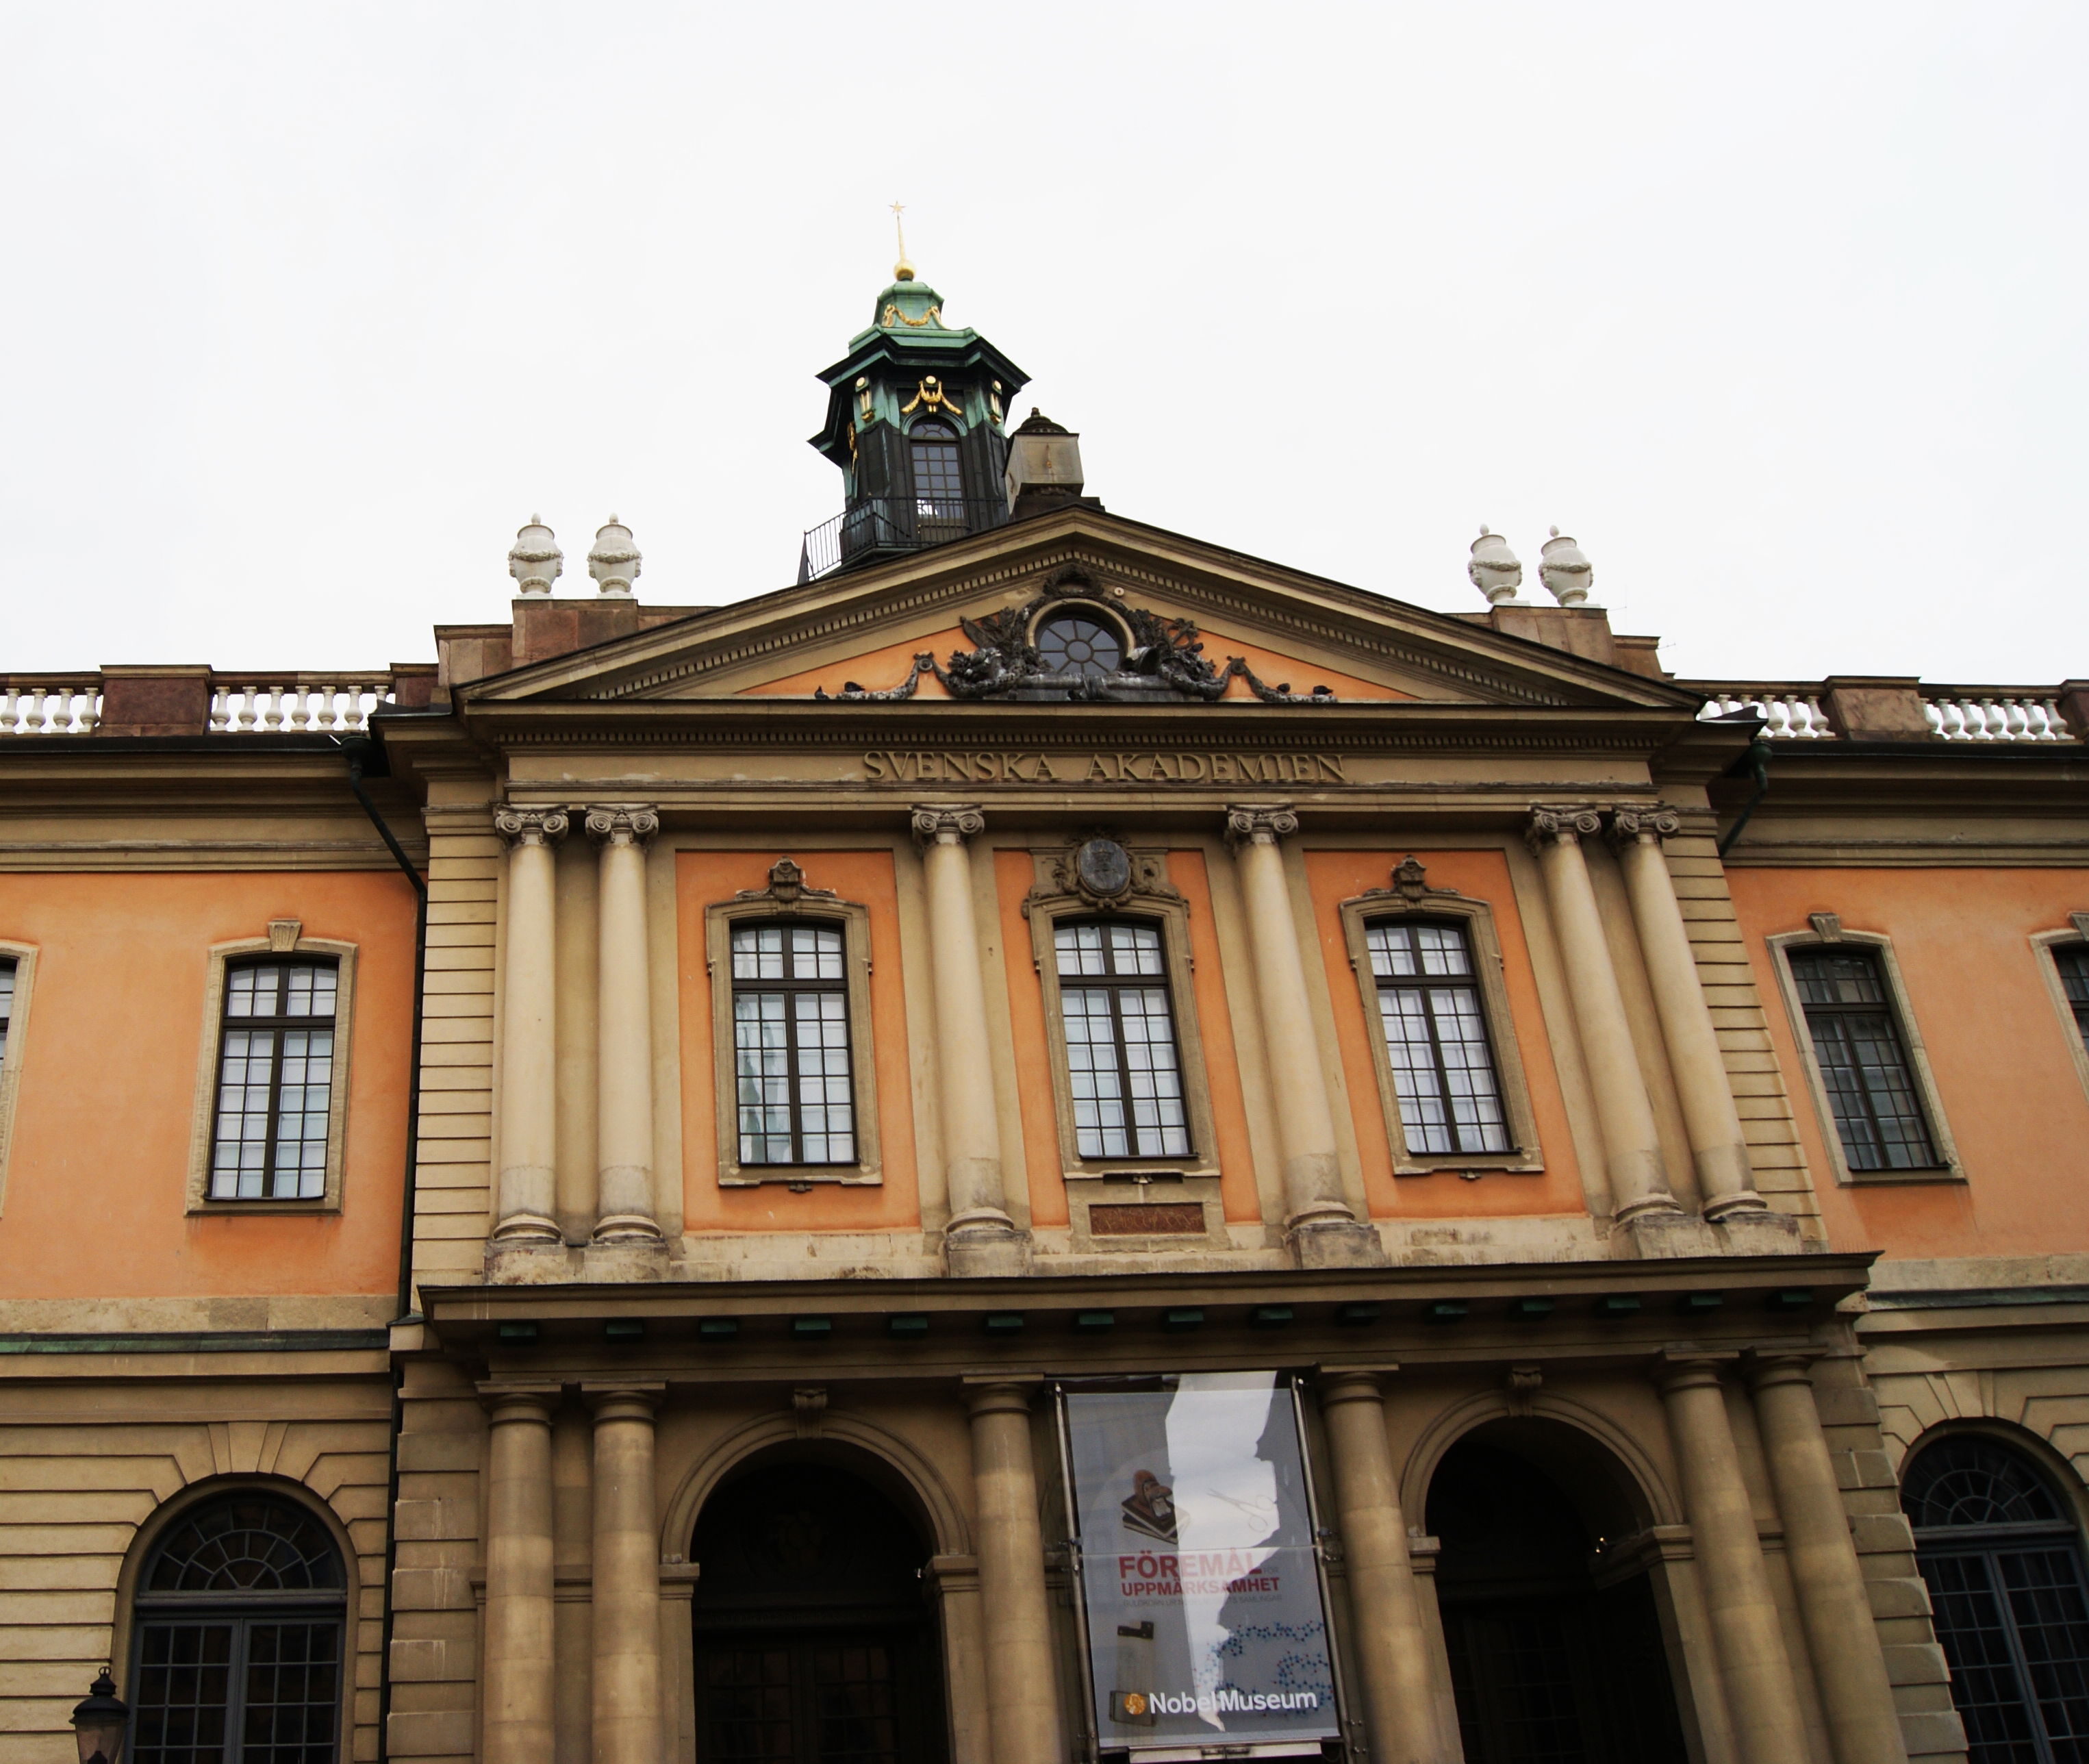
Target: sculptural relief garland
{"x": 1165, "y": 656}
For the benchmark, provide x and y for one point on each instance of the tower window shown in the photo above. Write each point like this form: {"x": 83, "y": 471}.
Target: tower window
{"x": 939, "y": 484}
{"x": 1087, "y": 648}
{"x": 1863, "y": 1063}
{"x": 1126, "y": 1074}
{"x": 275, "y": 1081}
{"x": 1436, "y": 1038}
{"x": 791, "y": 1045}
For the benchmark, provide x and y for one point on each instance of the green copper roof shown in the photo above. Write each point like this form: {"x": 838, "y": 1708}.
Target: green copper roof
{"x": 912, "y": 311}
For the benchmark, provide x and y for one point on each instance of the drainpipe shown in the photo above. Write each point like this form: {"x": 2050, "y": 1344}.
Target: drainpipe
{"x": 358, "y": 749}
{"x": 1758, "y": 764}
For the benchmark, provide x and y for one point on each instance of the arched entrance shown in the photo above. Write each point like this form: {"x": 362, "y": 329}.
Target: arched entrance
{"x": 1551, "y": 1661}
{"x": 2002, "y": 1557}
{"x": 815, "y": 1641}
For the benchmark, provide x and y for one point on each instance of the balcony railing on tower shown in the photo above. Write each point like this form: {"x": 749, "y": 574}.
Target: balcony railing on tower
{"x": 889, "y": 526}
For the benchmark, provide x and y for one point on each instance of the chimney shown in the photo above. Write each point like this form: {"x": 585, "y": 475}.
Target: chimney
{"x": 1044, "y": 467}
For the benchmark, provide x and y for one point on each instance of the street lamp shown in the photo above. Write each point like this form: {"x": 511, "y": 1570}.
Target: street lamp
{"x": 98, "y": 1723}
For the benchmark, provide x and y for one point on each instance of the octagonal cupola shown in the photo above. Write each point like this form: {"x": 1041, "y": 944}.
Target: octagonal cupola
{"x": 916, "y": 421}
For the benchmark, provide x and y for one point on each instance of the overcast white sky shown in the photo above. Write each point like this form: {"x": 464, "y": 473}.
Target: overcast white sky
{"x": 305, "y": 308}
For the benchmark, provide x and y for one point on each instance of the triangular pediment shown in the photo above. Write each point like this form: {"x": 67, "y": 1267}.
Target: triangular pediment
{"x": 1267, "y": 634}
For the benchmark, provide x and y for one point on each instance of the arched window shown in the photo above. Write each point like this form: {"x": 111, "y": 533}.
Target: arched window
{"x": 237, "y": 1653}
{"x": 1087, "y": 648}
{"x": 2003, "y": 1564}
{"x": 939, "y": 483}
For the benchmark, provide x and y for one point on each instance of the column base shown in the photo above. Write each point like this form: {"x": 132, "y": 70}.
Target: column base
{"x": 526, "y": 1262}
{"x": 625, "y": 1228}
{"x": 619, "y": 1261}
{"x": 1653, "y": 1237}
{"x": 1331, "y": 1242}
{"x": 1757, "y": 1231}
{"x": 984, "y": 1244}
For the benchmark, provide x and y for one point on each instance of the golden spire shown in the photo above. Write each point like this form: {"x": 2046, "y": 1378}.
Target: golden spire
{"x": 901, "y": 271}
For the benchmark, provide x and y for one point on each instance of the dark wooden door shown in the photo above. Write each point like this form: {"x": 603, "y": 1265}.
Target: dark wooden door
{"x": 842, "y": 1697}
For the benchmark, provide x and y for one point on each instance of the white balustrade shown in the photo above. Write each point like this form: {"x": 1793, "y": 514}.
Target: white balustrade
{"x": 1787, "y": 715}
{"x": 258, "y": 707}
{"x": 52, "y": 707}
{"x": 1997, "y": 716}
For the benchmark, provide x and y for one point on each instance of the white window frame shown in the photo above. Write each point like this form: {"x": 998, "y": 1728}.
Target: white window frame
{"x": 284, "y": 936}
{"x": 2045, "y": 947}
{"x": 23, "y": 956}
{"x": 1948, "y": 1168}
{"x": 1524, "y": 1156}
{"x": 813, "y": 906}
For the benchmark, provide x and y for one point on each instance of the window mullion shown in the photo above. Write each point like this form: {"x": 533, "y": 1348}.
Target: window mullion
{"x": 792, "y": 1071}
{"x": 235, "y": 1692}
{"x": 2026, "y": 1684}
{"x": 1451, "y": 1130}
{"x": 1121, "y": 1045}
{"x": 273, "y": 1122}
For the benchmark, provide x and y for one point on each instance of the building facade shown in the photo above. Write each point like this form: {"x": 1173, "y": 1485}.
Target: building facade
{"x": 1055, "y": 1142}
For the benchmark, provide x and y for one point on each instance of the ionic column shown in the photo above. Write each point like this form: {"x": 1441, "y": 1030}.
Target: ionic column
{"x": 1761, "y": 1698}
{"x": 627, "y": 1576}
{"x": 1864, "y": 1725}
{"x": 528, "y": 1033}
{"x": 1637, "y": 1184}
{"x": 971, "y": 1126}
{"x": 624, "y": 1034}
{"x": 1718, "y": 1147}
{"x": 1318, "y": 1218}
{"x": 1022, "y": 1688}
{"x": 1388, "y": 1643}
{"x": 519, "y": 1676}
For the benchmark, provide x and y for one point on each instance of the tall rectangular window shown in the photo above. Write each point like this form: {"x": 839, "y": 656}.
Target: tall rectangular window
{"x": 1121, "y": 1060}
{"x": 1863, "y": 1064}
{"x": 2072, "y": 960}
{"x": 275, "y": 1081}
{"x": 1436, "y": 1037}
{"x": 7, "y": 1000}
{"x": 791, "y": 1045}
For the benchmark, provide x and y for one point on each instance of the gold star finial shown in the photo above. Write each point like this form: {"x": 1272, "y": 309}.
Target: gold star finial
{"x": 901, "y": 271}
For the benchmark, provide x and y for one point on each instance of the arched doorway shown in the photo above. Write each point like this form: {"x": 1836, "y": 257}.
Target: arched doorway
{"x": 815, "y": 1641}
{"x": 2002, "y": 1559}
{"x": 236, "y": 1652}
{"x": 1551, "y": 1663}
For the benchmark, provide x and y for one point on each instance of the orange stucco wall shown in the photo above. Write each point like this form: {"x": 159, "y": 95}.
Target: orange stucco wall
{"x": 704, "y": 878}
{"x": 1997, "y": 1048}
{"x": 107, "y": 1086}
{"x": 880, "y": 669}
{"x": 1014, "y": 873}
{"x": 1334, "y": 877}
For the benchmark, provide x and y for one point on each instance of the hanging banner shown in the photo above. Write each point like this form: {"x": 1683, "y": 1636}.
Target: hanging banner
{"x": 1206, "y": 1626}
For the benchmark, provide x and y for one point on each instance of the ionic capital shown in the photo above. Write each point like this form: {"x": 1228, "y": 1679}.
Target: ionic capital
{"x": 622, "y": 825}
{"x": 1560, "y": 826}
{"x": 531, "y": 826}
{"x": 946, "y": 823}
{"x": 1259, "y": 823}
{"x": 1630, "y": 827}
